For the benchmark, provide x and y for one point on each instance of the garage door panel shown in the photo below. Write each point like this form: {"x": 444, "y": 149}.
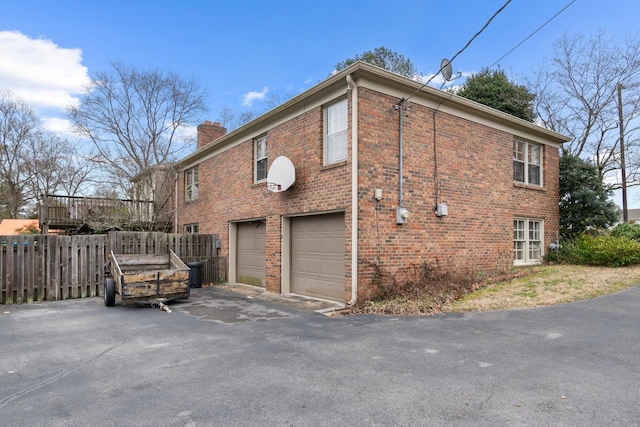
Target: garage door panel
{"x": 251, "y": 253}
{"x": 318, "y": 256}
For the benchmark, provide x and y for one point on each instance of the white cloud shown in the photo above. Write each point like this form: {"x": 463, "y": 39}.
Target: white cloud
{"x": 249, "y": 98}
{"x": 57, "y": 125}
{"x": 186, "y": 133}
{"x": 438, "y": 81}
{"x": 42, "y": 73}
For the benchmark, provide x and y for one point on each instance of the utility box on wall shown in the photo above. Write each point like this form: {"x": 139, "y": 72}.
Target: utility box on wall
{"x": 442, "y": 209}
{"x": 402, "y": 216}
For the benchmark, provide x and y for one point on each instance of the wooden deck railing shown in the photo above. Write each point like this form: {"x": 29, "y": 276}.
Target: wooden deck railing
{"x": 68, "y": 212}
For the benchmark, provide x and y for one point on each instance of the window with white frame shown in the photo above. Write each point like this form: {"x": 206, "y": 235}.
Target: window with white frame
{"x": 527, "y": 162}
{"x": 191, "y": 184}
{"x": 260, "y": 156}
{"x": 191, "y": 228}
{"x": 527, "y": 240}
{"x": 335, "y": 125}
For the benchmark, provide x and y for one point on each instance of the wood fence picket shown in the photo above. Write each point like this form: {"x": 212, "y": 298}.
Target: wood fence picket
{"x": 52, "y": 267}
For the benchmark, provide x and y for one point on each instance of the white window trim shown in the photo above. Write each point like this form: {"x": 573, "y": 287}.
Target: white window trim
{"x": 527, "y": 260}
{"x": 257, "y": 159}
{"x": 191, "y": 185}
{"x": 326, "y": 160}
{"x": 188, "y": 228}
{"x": 526, "y": 163}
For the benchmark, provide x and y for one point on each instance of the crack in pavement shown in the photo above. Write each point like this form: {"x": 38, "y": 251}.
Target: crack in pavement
{"x": 54, "y": 378}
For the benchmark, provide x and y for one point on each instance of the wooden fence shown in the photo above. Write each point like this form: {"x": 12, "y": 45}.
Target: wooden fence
{"x": 52, "y": 267}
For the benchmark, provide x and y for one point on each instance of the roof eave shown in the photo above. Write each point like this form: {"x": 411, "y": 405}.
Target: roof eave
{"x": 364, "y": 69}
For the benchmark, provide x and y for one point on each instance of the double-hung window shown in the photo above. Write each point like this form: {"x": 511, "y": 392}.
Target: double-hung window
{"x": 191, "y": 184}
{"x": 527, "y": 162}
{"x": 260, "y": 156}
{"x": 527, "y": 240}
{"x": 335, "y": 138}
{"x": 191, "y": 228}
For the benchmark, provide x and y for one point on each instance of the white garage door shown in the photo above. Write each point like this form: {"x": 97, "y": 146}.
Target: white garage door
{"x": 250, "y": 253}
{"x": 317, "y": 256}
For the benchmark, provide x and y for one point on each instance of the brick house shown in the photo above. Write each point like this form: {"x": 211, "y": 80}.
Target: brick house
{"x": 478, "y": 188}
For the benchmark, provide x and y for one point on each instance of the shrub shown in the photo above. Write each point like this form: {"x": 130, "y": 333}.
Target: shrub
{"x": 607, "y": 251}
{"x": 630, "y": 231}
{"x": 420, "y": 288}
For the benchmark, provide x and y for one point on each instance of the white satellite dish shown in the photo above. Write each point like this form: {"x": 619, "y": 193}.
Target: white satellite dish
{"x": 446, "y": 69}
{"x": 281, "y": 175}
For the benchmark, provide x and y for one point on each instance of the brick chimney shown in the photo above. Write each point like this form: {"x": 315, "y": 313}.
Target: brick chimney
{"x": 208, "y": 132}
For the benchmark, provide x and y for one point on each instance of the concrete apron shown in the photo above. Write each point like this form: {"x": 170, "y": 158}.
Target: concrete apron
{"x": 235, "y": 303}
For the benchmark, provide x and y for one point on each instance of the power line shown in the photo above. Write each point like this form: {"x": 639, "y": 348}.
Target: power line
{"x": 461, "y": 50}
{"x": 531, "y": 35}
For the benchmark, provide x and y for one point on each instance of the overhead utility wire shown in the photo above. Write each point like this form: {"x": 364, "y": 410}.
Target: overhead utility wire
{"x": 459, "y": 52}
{"x": 531, "y": 35}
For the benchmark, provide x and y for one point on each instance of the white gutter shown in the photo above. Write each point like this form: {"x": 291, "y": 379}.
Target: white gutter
{"x": 354, "y": 189}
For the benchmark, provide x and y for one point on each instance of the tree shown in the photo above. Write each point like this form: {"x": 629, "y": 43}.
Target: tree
{"x": 33, "y": 162}
{"x": 494, "y": 89}
{"x": 18, "y": 127}
{"x": 229, "y": 119}
{"x": 584, "y": 199}
{"x": 384, "y": 58}
{"x": 577, "y": 96}
{"x": 52, "y": 164}
{"x": 134, "y": 119}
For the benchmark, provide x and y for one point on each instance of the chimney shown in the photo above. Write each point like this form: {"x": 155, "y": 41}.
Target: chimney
{"x": 209, "y": 132}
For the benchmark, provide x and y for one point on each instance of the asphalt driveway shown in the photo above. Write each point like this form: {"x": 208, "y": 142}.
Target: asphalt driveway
{"x": 229, "y": 359}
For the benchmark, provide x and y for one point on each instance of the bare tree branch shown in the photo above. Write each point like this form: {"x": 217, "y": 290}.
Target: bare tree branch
{"x": 576, "y": 94}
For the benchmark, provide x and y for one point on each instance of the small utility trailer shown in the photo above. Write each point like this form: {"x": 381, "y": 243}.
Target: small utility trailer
{"x": 145, "y": 278}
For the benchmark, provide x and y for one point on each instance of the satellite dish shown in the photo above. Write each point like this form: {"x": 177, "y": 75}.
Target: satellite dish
{"x": 445, "y": 68}
{"x": 281, "y": 175}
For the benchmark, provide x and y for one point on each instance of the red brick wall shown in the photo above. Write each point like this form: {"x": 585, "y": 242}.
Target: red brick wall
{"x": 474, "y": 165}
{"x": 227, "y": 191}
{"x": 474, "y": 178}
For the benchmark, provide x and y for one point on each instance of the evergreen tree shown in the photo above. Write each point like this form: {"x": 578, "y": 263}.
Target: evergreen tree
{"x": 384, "y": 58}
{"x": 584, "y": 199}
{"x": 493, "y": 88}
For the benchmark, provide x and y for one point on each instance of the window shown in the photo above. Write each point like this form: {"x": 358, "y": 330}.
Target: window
{"x": 191, "y": 228}
{"x": 527, "y": 161}
{"x": 527, "y": 241}
{"x": 335, "y": 142}
{"x": 260, "y": 156}
{"x": 191, "y": 184}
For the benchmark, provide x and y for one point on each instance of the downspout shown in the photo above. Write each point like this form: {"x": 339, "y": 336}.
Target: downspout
{"x": 402, "y": 214}
{"x": 354, "y": 189}
{"x": 401, "y": 155}
{"x": 175, "y": 202}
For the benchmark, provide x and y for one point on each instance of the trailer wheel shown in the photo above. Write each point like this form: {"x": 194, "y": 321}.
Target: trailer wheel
{"x": 109, "y": 292}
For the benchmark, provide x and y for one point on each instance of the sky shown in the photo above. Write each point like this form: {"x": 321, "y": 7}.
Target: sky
{"x": 245, "y": 52}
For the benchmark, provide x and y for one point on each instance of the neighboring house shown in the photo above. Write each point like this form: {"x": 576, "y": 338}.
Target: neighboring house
{"x": 478, "y": 188}
{"x": 633, "y": 216}
{"x": 157, "y": 185}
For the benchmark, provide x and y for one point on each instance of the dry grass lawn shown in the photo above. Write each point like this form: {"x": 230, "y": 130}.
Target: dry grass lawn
{"x": 547, "y": 285}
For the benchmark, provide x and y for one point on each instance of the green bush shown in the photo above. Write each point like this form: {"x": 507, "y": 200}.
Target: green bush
{"x": 630, "y": 231}
{"x": 607, "y": 251}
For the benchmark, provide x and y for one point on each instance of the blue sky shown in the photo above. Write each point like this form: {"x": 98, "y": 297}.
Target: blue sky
{"x": 245, "y": 51}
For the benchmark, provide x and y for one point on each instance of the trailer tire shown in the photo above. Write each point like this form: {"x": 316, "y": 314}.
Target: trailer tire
{"x": 109, "y": 292}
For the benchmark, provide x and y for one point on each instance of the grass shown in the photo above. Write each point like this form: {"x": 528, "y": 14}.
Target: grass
{"x": 523, "y": 288}
{"x": 548, "y": 285}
